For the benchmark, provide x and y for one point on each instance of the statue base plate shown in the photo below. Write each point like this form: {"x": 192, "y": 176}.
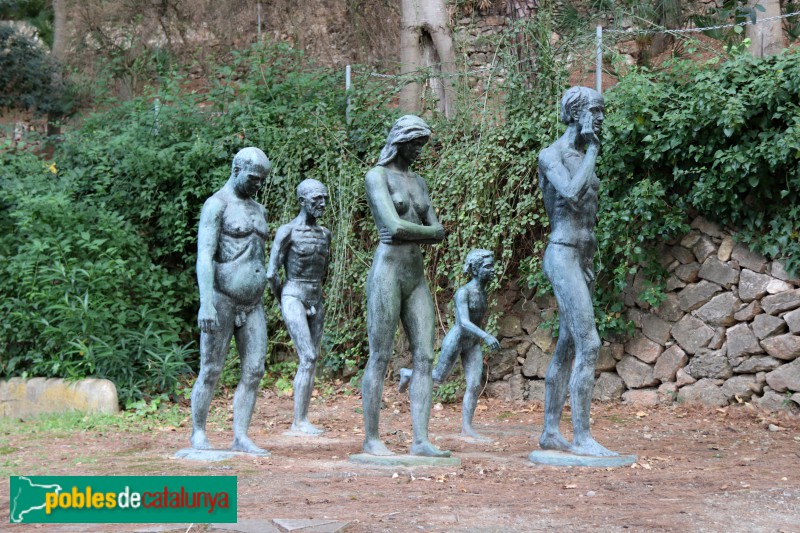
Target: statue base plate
{"x": 214, "y": 455}
{"x": 403, "y": 460}
{"x": 291, "y": 433}
{"x": 557, "y": 458}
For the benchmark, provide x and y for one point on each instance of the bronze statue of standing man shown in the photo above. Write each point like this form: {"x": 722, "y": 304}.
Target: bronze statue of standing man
{"x": 301, "y": 248}
{"x": 569, "y": 187}
{"x": 231, "y": 275}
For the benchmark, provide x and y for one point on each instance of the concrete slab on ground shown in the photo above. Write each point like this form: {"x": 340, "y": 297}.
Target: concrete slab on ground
{"x": 403, "y": 460}
{"x": 213, "y": 455}
{"x": 556, "y": 458}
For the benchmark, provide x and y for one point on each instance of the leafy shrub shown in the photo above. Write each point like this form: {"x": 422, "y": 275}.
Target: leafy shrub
{"x": 721, "y": 140}
{"x": 81, "y": 296}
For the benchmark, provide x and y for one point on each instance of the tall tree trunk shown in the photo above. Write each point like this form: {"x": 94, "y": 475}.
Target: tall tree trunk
{"x": 526, "y": 51}
{"x": 425, "y": 42}
{"x": 57, "y": 53}
{"x": 766, "y": 38}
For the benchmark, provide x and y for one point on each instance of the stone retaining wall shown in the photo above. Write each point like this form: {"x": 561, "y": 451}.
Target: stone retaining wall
{"x": 729, "y": 331}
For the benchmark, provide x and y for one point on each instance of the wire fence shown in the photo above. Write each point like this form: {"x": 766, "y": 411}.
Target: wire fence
{"x": 587, "y": 37}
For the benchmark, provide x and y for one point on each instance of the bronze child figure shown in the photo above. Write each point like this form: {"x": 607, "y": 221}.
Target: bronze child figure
{"x": 465, "y": 337}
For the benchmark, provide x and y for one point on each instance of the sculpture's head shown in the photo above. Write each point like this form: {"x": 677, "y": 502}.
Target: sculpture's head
{"x": 312, "y": 195}
{"x": 249, "y": 171}
{"x": 409, "y": 134}
{"x": 577, "y": 102}
{"x": 479, "y": 264}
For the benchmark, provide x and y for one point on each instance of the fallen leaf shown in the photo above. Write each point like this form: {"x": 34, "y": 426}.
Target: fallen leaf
{"x": 570, "y": 486}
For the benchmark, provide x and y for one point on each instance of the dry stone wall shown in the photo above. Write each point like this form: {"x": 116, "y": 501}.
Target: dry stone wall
{"x": 728, "y": 331}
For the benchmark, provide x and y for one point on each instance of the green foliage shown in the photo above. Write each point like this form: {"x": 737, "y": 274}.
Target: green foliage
{"x": 723, "y": 140}
{"x": 27, "y": 76}
{"x": 81, "y": 297}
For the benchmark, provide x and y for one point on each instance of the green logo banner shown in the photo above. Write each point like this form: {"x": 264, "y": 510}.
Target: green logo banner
{"x": 122, "y": 499}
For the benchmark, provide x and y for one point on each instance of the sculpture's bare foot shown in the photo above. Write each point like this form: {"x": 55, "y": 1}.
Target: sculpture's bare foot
{"x": 472, "y": 434}
{"x": 589, "y": 446}
{"x": 375, "y": 447}
{"x": 199, "y": 441}
{"x": 304, "y": 426}
{"x": 244, "y": 444}
{"x": 427, "y": 449}
{"x": 405, "y": 379}
{"x": 554, "y": 441}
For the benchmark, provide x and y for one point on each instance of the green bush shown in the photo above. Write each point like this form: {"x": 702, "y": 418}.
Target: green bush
{"x": 81, "y": 296}
{"x": 722, "y": 140}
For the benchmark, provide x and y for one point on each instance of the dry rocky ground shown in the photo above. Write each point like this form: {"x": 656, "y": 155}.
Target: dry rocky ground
{"x": 698, "y": 469}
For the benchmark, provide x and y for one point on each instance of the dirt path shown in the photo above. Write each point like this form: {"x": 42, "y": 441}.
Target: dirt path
{"x": 697, "y": 470}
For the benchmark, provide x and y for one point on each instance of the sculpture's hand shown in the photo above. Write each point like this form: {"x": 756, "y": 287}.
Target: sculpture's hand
{"x": 440, "y": 233}
{"x": 275, "y": 286}
{"x": 207, "y": 319}
{"x": 311, "y": 311}
{"x": 385, "y": 236}
{"x": 587, "y": 130}
{"x": 491, "y": 342}
{"x": 588, "y": 274}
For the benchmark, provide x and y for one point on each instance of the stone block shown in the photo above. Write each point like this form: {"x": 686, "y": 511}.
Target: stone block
{"x": 643, "y": 397}
{"x": 635, "y": 316}
{"x": 718, "y": 272}
{"x": 690, "y": 239}
{"x": 499, "y": 390}
{"x": 670, "y": 309}
{"x": 775, "y": 286}
{"x": 682, "y": 254}
{"x": 719, "y": 310}
{"x": 635, "y": 373}
{"x": 543, "y": 338}
{"x": 692, "y": 334}
{"x": 696, "y": 295}
{"x": 767, "y": 325}
{"x": 783, "y": 301}
{"x": 535, "y": 390}
{"x": 778, "y": 271}
{"x": 656, "y": 329}
{"x": 774, "y": 401}
{"x": 673, "y": 284}
{"x": 608, "y": 387}
{"x": 785, "y": 377}
{"x": 752, "y": 285}
{"x": 706, "y": 226}
{"x": 742, "y": 386}
{"x": 536, "y": 362}
{"x": 682, "y": 378}
{"x": 748, "y": 259}
{"x": 703, "y": 249}
{"x": 643, "y": 348}
{"x": 668, "y": 364}
{"x": 792, "y": 319}
{"x": 501, "y": 363}
{"x": 753, "y": 365}
{"x": 516, "y": 387}
{"x": 509, "y": 326}
{"x": 530, "y": 321}
{"x": 24, "y": 398}
{"x": 785, "y": 347}
{"x": 748, "y": 312}
{"x": 741, "y": 342}
{"x": 689, "y": 273}
{"x": 605, "y": 361}
{"x": 718, "y": 340}
{"x": 725, "y": 249}
{"x": 709, "y": 364}
{"x": 704, "y": 392}
{"x": 668, "y": 392}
